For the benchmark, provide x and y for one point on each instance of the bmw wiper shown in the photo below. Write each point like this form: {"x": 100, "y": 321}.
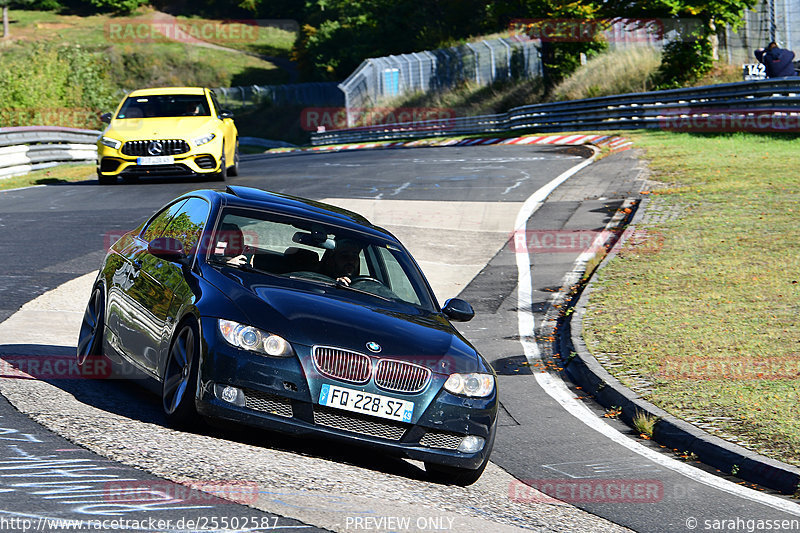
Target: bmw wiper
{"x": 326, "y": 282}
{"x": 341, "y": 285}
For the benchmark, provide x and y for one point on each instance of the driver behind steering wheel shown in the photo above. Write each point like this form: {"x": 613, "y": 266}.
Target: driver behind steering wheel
{"x": 343, "y": 263}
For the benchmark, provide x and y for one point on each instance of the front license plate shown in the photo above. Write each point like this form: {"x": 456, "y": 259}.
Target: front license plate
{"x": 366, "y": 403}
{"x": 155, "y": 160}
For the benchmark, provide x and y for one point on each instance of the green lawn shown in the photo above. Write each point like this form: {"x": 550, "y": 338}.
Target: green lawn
{"x": 705, "y": 306}
{"x": 50, "y": 176}
{"x": 135, "y": 63}
{"x": 102, "y": 30}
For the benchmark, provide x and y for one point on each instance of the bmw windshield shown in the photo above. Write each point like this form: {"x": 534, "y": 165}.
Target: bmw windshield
{"x": 286, "y": 248}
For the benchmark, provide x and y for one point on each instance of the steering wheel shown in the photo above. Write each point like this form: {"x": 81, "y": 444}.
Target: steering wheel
{"x": 357, "y": 279}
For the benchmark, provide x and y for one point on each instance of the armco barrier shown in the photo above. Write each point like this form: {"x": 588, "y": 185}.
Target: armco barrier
{"x": 28, "y": 148}
{"x": 776, "y": 100}
{"x": 34, "y": 147}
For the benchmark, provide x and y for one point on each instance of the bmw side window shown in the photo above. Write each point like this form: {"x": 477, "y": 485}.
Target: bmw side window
{"x": 155, "y": 228}
{"x": 188, "y": 223}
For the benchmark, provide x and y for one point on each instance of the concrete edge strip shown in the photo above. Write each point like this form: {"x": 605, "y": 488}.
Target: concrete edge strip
{"x": 572, "y": 278}
{"x": 554, "y": 386}
{"x": 584, "y": 370}
{"x": 615, "y": 143}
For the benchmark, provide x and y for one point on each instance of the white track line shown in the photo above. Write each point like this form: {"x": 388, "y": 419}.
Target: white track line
{"x": 21, "y": 188}
{"x": 557, "y": 389}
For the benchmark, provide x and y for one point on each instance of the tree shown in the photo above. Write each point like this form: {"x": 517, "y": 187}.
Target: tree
{"x": 5, "y": 21}
{"x": 118, "y": 6}
{"x": 337, "y": 35}
{"x": 691, "y": 55}
{"x": 686, "y": 58}
{"x": 28, "y": 4}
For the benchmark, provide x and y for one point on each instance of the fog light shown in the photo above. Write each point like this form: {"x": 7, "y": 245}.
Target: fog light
{"x": 471, "y": 444}
{"x": 229, "y": 394}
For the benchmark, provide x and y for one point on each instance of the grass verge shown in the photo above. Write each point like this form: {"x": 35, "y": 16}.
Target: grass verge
{"x": 704, "y": 305}
{"x": 469, "y": 98}
{"x": 627, "y": 70}
{"x": 50, "y": 176}
{"x": 138, "y": 55}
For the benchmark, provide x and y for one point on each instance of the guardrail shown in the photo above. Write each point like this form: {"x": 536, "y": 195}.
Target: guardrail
{"x": 767, "y": 105}
{"x": 258, "y": 142}
{"x": 30, "y": 148}
{"x": 307, "y": 94}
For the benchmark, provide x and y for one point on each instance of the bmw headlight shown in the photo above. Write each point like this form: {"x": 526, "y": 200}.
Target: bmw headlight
{"x": 204, "y": 139}
{"x": 254, "y": 339}
{"x": 111, "y": 143}
{"x": 474, "y": 385}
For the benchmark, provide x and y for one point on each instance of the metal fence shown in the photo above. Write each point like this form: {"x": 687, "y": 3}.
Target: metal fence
{"x": 768, "y": 105}
{"x": 382, "y": 78}
{"x": 308, "y": 94}
{"x": 769, "y": 20}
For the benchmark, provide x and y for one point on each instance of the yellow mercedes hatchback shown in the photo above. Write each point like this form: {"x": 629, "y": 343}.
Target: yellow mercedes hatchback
{"x": 171, "y": 131}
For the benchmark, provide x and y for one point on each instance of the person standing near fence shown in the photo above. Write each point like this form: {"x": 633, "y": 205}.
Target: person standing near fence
{"x": 777, "y": 61}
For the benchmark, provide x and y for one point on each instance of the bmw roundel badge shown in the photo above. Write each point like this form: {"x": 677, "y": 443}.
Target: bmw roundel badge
{"x": 373, "y": 347}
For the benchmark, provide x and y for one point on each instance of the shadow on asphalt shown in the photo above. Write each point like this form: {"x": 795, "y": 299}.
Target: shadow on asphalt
{"x": 130, "y": 399}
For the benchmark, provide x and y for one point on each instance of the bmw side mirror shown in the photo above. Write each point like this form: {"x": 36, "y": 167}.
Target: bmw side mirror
{"x": 167, "y": 248}
{"x": 225, "y": 114}
{"x": 105, "y": 117}
{"x": 458, "y": 310}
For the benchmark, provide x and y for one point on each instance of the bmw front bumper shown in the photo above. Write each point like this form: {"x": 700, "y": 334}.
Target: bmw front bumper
{"x": 274, "y": 393}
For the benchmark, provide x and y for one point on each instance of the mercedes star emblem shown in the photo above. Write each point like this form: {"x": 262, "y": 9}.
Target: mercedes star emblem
{"x": 155, "y": 148}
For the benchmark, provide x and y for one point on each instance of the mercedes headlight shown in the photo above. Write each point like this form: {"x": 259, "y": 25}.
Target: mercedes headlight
{"x": 111, "y": 143}
{"x": 474, "y": 385}
{"x": 203, "y": 140}
{"x": 254, "y": 339}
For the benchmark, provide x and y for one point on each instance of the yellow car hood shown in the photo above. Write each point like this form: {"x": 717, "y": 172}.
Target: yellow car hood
{"x": 187, "y": 128}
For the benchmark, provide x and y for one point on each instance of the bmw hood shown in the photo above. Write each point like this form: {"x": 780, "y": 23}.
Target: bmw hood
{"x": 330, "y": 317}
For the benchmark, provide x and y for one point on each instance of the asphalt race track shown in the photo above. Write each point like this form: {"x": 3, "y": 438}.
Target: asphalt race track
{"x": 455, "y": 208}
